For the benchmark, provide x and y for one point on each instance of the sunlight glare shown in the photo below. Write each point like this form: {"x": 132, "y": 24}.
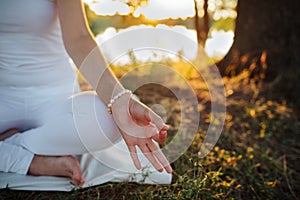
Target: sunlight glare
{"x": 109, "y": 7}
{"x": 154, "y": 10}
{"x": 149, "y": 55}
{"x": 224, "y": 14}
{"x": 216, "y": 46}
{"x": 157, "y": 9}
{"x": 219, "y": 44}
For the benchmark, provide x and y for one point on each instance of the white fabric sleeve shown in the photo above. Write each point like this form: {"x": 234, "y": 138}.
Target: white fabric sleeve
{"x": 14, "y": 158}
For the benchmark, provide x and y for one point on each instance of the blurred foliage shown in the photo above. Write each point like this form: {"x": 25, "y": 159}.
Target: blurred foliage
{"x": 223, "y": 4}
{"x": 134, "y": 4}
{"x": 226, "y": 24}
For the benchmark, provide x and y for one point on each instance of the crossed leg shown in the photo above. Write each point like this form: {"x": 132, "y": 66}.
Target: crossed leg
{"x": 76, "y": 126}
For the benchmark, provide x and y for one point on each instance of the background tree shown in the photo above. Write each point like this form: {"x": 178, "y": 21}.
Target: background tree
{"x": 201, "y": 34}
{"x": 267, "y": 34}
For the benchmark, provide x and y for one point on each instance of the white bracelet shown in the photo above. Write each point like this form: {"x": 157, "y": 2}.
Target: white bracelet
{"x": 112, "y": 100}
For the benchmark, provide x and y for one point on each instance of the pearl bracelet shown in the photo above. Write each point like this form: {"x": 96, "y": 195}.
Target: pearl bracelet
{"x": 112, "y": 100}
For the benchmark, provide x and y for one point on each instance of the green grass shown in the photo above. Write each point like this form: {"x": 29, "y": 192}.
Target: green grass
{"x": 256, "y": 157}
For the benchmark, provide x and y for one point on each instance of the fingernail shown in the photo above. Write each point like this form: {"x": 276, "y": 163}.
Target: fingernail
{"x": 163, "y": 132}
{"x": 169, "y": 170}
{"x": 166, "y": 127}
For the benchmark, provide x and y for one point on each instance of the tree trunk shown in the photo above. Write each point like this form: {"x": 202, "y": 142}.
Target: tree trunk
{"x": 267, "y": 30}
{"x": 201, "y": 34}
{"x": 205, "y": 20}
{"x": 197, "y": 24}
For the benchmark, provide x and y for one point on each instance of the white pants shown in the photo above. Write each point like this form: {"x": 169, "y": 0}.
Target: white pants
{"x": 51, "y": 121}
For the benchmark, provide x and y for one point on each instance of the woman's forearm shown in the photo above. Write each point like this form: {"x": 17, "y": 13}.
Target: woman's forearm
{"x": 82, "y": 48}
{"x": 93, "y": 66}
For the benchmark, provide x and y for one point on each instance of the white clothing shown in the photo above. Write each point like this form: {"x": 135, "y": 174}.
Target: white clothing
{"x": 31, "y": 44}
{"x": 37, "y": 86}
{"x": 33, "y": 61}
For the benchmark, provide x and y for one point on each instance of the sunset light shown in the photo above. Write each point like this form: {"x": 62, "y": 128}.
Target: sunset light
{"x": 155, "y": 9}
{"x": 218, "y": 42}
{"x": 149, "y": 99}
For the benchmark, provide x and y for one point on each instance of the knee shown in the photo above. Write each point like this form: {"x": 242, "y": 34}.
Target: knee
{"x": 91, "y": 115}
{"x": 87, "y": 103}
{"x": 114, "y": 137}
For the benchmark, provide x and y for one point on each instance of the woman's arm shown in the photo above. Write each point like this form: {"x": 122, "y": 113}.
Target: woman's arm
{"x": 82, "y": 48}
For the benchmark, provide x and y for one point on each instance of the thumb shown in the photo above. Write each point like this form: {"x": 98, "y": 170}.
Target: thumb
{"x": 160, "y": 137}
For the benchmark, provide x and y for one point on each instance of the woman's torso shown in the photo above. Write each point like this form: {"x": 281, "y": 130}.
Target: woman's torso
{"x": 32, "y": 52}
{"x": 35, "y": 71}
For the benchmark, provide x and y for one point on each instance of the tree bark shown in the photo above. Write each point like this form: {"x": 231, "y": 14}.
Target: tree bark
{"x": 205, "y": 19}
{"x": 201, "y": 34}
{"x": 197, "y": 24}
{"x": 267, "y": 30}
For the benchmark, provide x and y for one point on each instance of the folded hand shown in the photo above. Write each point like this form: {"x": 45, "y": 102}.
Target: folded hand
{"x": 140, "y": 126}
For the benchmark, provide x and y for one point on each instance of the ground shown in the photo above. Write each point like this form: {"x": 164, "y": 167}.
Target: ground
{"x": 256, "y": 156}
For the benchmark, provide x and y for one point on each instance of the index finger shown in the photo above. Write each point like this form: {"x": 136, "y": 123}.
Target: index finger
{"x": 157, "y": 120}
{"x": 142, "y": 111}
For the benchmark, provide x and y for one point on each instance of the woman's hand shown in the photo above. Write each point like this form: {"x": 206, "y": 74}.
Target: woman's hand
{"x": 139, "y": 126}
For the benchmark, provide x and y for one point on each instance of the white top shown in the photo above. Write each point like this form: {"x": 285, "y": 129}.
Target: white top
{"x": 31, "y": 46}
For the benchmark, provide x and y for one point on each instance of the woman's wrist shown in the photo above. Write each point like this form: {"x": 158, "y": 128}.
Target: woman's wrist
{"x": 117, "y": 97}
